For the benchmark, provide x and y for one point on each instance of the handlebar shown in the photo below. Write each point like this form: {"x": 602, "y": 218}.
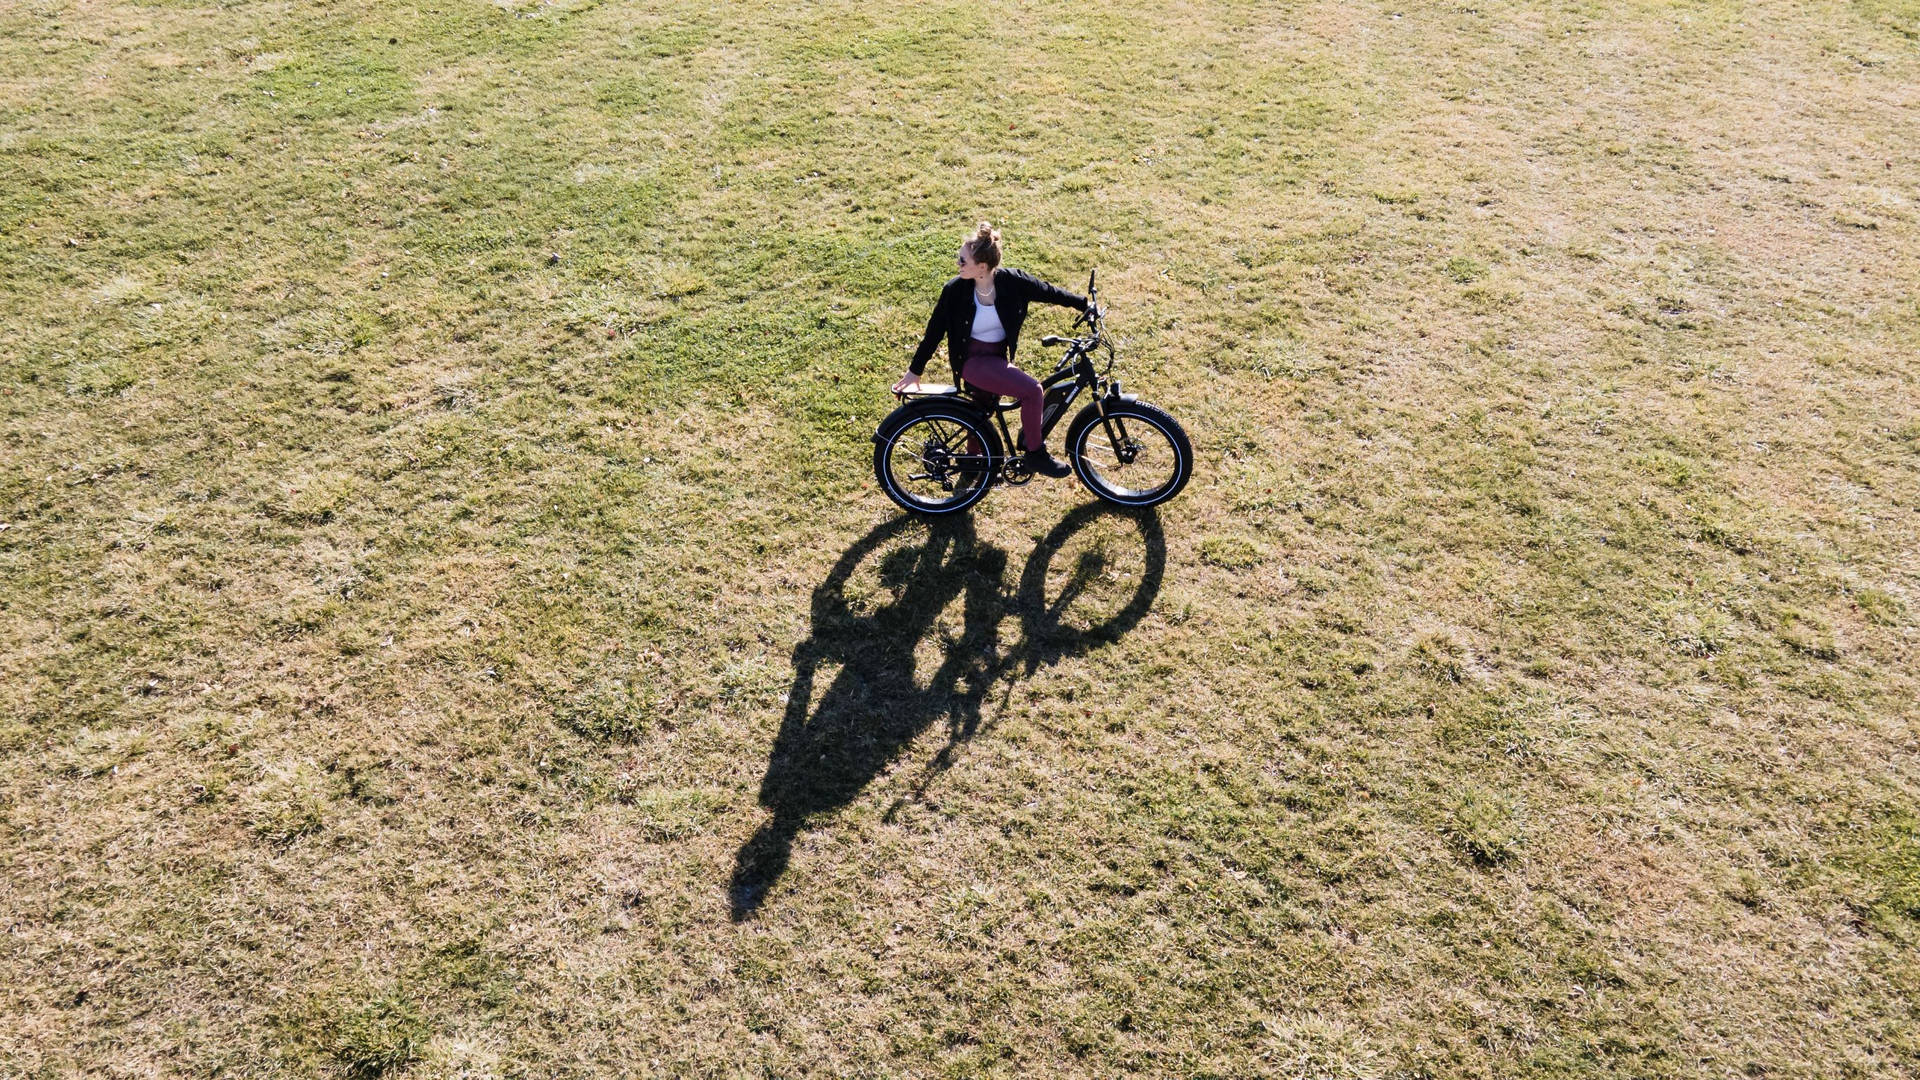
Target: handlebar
{"x": 1091, "y": 318}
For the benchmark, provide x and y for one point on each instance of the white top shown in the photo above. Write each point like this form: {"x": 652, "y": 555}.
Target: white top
{"x": 986, "y": 322}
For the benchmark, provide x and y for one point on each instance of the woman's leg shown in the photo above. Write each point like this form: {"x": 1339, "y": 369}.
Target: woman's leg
{"x": 994, "y": 375}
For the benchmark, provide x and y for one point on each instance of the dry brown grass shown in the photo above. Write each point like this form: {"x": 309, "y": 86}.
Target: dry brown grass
{"x": 397, "y": 625}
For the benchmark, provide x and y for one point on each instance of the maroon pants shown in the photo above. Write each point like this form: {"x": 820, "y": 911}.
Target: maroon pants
{"x": 987, "y": 369}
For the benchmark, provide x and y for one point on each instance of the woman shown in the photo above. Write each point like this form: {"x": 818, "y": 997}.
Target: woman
{"x": 980, "y": 312}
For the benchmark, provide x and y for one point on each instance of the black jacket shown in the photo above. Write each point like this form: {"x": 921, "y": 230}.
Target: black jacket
{"x": 953, "y": 315}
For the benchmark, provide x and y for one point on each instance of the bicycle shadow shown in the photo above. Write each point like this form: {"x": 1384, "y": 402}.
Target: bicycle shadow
{"x": 875, "y": 623}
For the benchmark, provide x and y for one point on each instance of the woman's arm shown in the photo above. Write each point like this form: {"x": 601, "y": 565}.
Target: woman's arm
{"x": 936, "y": 326}
{"x": 1049, "y": 294}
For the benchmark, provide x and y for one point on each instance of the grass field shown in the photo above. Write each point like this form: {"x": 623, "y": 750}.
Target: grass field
{"x": 448, "y": 629}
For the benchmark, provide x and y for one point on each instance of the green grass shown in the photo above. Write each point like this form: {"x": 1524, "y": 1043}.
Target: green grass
{"x": 447, "y": 627}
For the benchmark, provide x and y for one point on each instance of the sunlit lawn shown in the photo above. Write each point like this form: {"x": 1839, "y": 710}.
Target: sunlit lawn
{"x": 448, "y": 628}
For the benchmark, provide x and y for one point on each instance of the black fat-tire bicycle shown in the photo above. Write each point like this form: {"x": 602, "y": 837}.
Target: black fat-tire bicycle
{"x": 941, "y": 450}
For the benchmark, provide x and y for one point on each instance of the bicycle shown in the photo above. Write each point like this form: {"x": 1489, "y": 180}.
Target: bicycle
{"x": 945, "y": 446}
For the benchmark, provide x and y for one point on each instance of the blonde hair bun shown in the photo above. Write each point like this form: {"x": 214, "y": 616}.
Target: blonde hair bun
{"x": 985, "y": 244}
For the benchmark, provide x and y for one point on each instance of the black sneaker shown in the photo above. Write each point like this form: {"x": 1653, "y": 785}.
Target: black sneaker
{"x": 1047, "y": 465}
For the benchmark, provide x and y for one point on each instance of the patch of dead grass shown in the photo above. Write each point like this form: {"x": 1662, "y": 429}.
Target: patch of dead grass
{"x": 1524, "y": 689}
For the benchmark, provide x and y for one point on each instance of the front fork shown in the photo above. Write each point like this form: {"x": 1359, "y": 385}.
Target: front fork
{"x": 1115, "y": 428}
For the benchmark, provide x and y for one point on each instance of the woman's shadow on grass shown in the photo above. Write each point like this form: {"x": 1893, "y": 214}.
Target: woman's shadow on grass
{"x": 879, "y": 620}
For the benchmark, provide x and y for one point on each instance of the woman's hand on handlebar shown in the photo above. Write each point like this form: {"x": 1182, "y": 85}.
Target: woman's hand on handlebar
{"x": 908, "y": 384}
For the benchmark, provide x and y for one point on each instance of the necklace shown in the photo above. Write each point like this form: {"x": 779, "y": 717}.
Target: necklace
{"x": 984, "y": 297}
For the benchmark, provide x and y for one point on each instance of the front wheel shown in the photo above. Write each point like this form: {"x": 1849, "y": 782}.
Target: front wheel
{"x": 935, "y": 459}
{"x": 1136, "y": 455}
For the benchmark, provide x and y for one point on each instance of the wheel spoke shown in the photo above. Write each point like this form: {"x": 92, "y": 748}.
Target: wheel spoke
{"x": 926, "y": 466}
{"x": 1131, "y": 458}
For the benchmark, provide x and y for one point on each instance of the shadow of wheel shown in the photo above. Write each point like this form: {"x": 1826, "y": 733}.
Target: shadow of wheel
{"x": 1090, "y": 580}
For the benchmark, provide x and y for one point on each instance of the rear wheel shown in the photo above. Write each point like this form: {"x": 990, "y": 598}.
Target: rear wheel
{"x": 936, "y": 460}
{"x": 1137, "y": 456}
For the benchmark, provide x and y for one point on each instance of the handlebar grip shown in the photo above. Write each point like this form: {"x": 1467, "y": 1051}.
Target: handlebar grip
{"x": 1051, "y": 340}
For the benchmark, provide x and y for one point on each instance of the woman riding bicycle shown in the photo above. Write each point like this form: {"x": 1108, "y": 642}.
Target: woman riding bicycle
{"x": 980, "y": 312}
